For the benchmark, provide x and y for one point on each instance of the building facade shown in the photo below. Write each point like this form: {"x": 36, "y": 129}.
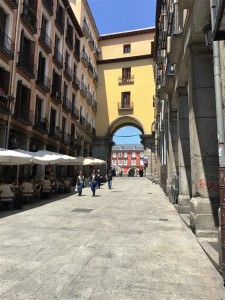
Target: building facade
{"x": 127, "y": 157}
{"x": 189, "y": 114}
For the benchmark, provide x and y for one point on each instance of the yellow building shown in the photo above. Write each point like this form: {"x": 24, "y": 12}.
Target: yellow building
{"x": 126, "y": 86}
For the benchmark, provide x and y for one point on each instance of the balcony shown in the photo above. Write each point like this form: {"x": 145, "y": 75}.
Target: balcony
{"x": 74, "y": 143}
{"x": 29, "y": 18}
{"x": 84, "y": 59}
{"x": 24, "y": 115}
{"x": 77, "y": 55}
{"x": 58, "y": 58}
{"x": 25, "y": 63}
{"x": 67, "y": 105}
{"x": 126, "y": 79}
{"x": 76, "y": 82}
{"x": 41, "y": 124}
{"x": 86, "y": 30}
{"x": 75, "y": 112}
{"x": 94, "y": 104}
{"x": 65, "y": 138}
{"x": 95, "y": 78}
{"x": 82, "y": 121}
{"x": 56, "y": 94}
{"x": 89, "y": 98}
{"x": 55, "y": 132}
{"x": 68, "y": 72}
{"x": 48, "y": 4}
{"x": 43, "y": 82}
{"x": 96, "y": 53}
{"x": 59, "y": 22}
{"x": 88, "y": 126}
{"x": 90, "y": 69}
{"x": 45, "y": 41}
{"x": 218, "y": 29}
{"x": 12, "y": 3}
{"x": 83, "y": 90}
{"x": 91, "y": 42}
{"x": 125, "y": 106}
{"x": 7, "y": 46}
{"x": 4, "y": 106}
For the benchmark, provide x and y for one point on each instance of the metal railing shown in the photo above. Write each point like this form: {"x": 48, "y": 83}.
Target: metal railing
{"x": 68, "y": 72}
{"x": 67, "y": 104}
{"x": 83, "y": 89}
{"x": 40, "y": 124}
{"x": 58, "y": 58}
{"x": 75, "y": 112}
{"x": 24, "y": 115}
{"x": 29, "y": 17}
{"x": 56, "y": 93}
{"x": 45, "y": 40}
{"x": 43, "y": 81}
{"x": 126, "y": 79}
{"x": 7, "y": 46}
{"x": 124, "y": 105}
{"x": 84, "y": 58}
{"x": 26, "y": 63}
{"x": 76, "y": 82}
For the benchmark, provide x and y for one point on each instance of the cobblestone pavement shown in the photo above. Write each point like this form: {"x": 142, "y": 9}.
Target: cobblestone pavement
{"x": 125, "y": 243}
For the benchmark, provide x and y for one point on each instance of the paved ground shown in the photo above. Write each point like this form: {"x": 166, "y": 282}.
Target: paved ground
{"x": 126, "y": 243}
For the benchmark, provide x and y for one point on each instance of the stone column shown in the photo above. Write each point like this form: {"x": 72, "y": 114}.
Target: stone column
{"x": 203, "y": 142}
{"x": 172, "y": 165}
{"x": 184, "y": 153}
{"x": 102, "y": 149}
{"x": 149, "y": 152}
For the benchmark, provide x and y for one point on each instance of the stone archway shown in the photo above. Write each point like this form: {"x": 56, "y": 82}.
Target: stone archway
{"x": 103, "y": 144}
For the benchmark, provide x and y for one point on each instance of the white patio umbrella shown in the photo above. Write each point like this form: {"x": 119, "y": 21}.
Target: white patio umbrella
{"x": 13, "y": 157}
{"x": 44, "y": 157}
{"x": 85, "y": 161}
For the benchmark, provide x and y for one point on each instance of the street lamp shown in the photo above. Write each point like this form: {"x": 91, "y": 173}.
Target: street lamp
{"x": 207, "y": 30}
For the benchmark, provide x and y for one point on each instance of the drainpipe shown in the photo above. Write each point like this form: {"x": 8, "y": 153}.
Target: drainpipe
{"x": 220, "y": 132}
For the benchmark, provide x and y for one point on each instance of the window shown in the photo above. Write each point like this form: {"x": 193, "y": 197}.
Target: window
{"x": 114, "y": 154}
{"x": 133, "y": 162}
{"x": 113, "y": 162}
{"x": 126, "y": 48}
{"x": 133, "y": 154}
{"x": 141, "y": 154}
{"x": 125, "y": 154}
{"x": 125, "y": 101}
{"x": 126, "y": 74}
{"x": 120, "y": 162}
{"x": 120, "y": 154}
{"x": 125, "y": 162}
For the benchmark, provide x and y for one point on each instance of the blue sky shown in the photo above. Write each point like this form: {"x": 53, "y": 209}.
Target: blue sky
{"x": 123, "y": 15}
{"x": 127, "y": 135}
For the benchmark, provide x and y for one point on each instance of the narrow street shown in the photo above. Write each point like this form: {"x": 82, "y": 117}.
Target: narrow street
{"x": 125, "y": 243}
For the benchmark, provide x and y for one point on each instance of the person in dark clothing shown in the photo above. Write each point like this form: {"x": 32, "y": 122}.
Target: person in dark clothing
{"x": 109, "y": 178}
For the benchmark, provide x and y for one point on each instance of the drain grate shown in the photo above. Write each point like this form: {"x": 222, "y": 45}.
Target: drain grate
{"x": 163, "y": 220}
{"x": 83, "y": 210}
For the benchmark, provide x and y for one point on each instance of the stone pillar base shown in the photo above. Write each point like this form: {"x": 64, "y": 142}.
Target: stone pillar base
{"x": 184, "y": 204}
{"x": 204, "y": 216}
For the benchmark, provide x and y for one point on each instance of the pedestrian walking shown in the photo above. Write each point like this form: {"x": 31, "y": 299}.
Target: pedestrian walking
{"x": 99, "y": 177}
{"x": 80, "y": 183}
{"x": 93, "y": 182}
{"x": 109, "y": 177}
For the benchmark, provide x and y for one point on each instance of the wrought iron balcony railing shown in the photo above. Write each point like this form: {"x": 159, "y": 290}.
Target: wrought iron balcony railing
{"x": 126, "y": 79}
{"x": 29, "y": 17}
{"x": 68, "y": 72}
{"x": 24, "y": 115}
{"x": 125, "y": 105}
{"x": 65, "y": 138}
{"x": 88, "y": 126}
{"x": 83, "y": 89}
{"x": 82, "y": 121}
{"x": 96, "y": 53}
{"x": 6, "y": 45}
{"x": 4, "y": 106}
{"x": 89, "y": 98}
{"x": 76, "y": 82}
{"x": 58, "y": 58}
{"x": 95, "y": 78}
{"x": 69, "y": 41}
{"x": 45, "y": 41}
{"x": 48, "y": 4}
{"x": 86, "y": 29}
{"x": 56, "y": 93}
{"x": 75, "y": 112}
{"x": 84, "y": 58}
{"x": 90, "y": 69}
{"x": 94, "y": 104}
{"x": 26, "y": 63}
{"x": 41, "y": 124}
{"x": 67, "y": 105}
{"x": 91, "y": 42}
{"x": 93, "y": 131}
{"x": 44, "y": 82}
{"x": 55, "y": 132}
